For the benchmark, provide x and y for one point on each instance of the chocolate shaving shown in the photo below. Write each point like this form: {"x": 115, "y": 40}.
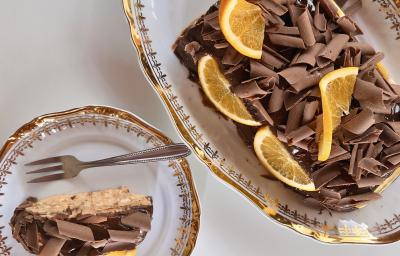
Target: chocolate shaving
{"x": 331, "y": 51}
{"x": 360, "y": 123}
{"x": 273, "y": 6}
{"x": 293, "y": 74}
{"x": 124, "y": 236}
{"x": 372, "y": 61}
{"x": 365, "y": 48}
{"x": 295, "y": 117}
{"x": 299, "y": 134}
{"x": 259, "y": 70}
{"x": 347, "y": 25}
{"x": 276, "y": 101}
{"x": 319, "y": 19}
{"x": 305, "y": 28}
{"x": 269, "y": 59}
{"x": 232, "y": 57}
{"x": 294, "y": 31}
{"x": 370, "y": 182}
{"x": 325, "y": 175}
{"x": 249, "y": 90}
{"x": 309, "y": 55}
{"x": 287, "y": 40}
{"x": 369, "y": 96}
{"x": 371, "y": 165}
{"x": 52, "y": 247}
{"x": 74, "y": 230}
{"x": 310, "y": 110}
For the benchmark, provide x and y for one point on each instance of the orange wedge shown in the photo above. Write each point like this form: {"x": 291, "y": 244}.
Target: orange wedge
{"x": 217, "y": 89}
{"x": 122, "y": 253}
{"x": 336, "y": 91}
{"x": 243, "y": 26}
{"x": 275, "y": 157}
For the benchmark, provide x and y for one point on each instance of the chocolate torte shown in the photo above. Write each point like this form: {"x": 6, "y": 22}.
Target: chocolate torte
{"x": 304, "y": 40}
{"x": 93, "y": 223}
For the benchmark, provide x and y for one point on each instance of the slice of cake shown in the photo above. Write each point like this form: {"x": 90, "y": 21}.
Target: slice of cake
{"x": 90, "y": 223}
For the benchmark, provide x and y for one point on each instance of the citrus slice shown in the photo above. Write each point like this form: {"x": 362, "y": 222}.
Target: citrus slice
{"x": 275, "y": 157}
{"x": 122, "y": 253}
{"x": 243, "y": 26}
{"x": 336, "y": 91}
{"x": 216, "y": 87}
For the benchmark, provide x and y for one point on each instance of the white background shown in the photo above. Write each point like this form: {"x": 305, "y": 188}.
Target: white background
{"x": 55, "y": 55}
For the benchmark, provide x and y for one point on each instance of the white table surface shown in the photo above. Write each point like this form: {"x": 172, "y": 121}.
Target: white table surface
{"x": 55, "y": 55}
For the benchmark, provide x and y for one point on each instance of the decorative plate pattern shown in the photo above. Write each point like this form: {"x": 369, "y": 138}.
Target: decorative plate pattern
{"x": 49, "y": 125}
{"x": 327, "y": 227}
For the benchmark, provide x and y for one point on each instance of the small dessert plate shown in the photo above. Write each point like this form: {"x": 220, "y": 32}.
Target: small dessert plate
{"x": 96, "y": 132}
{"x": 155, "y": 26}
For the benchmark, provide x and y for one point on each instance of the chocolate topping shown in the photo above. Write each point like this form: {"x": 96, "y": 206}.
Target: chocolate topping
{"x": 302, "y": 43}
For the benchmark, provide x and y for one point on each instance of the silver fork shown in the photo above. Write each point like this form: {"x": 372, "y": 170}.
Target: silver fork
{"x": 69, "y": 166}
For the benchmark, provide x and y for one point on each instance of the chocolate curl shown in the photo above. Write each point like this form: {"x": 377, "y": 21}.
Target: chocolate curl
{"x": 305, "y": 28}
{"x": 329, "y": 8}
{"x": 309, "y": 55}
{"x": 52, "y": 247}
{"x": 249, "y": 90}
{"x": 285, "y": 40}
{"x": 295, "y": 117}
{"x": 211, "y": 20}
{"x": 330, "y": 193}
{"x": 299, "y": 134}
{"x": 295, "y": 11}
{"x": 381, "y": 82}
{"x": 340, "y": 181}
{"x": 326, "y": 174}
{"x": 118, "y": 246}
{"x": 351, "y": 57}
{"x": 365, "y": 48}
{"x": 347, "y": 25}
{"x": 74, "y": 230}
{"x": 370, "y": 136}
{"x": 372, "y": 61}
{"x": 283, "y": 30}
{"x": 270, "y": 60}
{"x": 273, "y": 6}
{"x": 371, "y": 165}
{"x": 388, "y": 136}
{"x": 294, "y": 73}
{"x": 257, "y": 109}
{"x": 192, "y": 49}
{"x": 275, "y": 53}
{"x": 331, "y": 51}
{"x": 394, "y": 160}
{"x": 291, "y": 99}
{"x": 259, "y": 70}
{"x": 370, "y": 96}
{"x": 232, "y": 57}
{"x": 370, "y": 182}
{"x": 276, "y": 101}
{"x": 307, "y": 81}
{"x": 360, "y": 123}
{"x": 137, "y": 219}
{"x": 123, "y": 236}
{"x": 319, "y": 19}
{"x": 310, "y": 110}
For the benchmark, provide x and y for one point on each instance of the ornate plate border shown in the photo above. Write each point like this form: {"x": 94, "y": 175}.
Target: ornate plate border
{"x": 190, "y": 223}
{"x": 151, "y": 67}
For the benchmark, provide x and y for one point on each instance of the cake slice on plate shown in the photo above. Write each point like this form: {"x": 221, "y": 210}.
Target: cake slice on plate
{"x": 90, "y": 223}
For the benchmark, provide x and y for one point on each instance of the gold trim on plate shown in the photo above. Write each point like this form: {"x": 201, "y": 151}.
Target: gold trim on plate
{"x": 190, "y": 222}
{"x": 276, "y": 211}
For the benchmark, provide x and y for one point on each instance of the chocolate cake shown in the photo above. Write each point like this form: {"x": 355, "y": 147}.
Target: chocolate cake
{"x": 304, "y": 40}
{"x": 94, "y": 223}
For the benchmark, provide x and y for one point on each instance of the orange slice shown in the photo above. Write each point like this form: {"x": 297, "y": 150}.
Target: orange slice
{"x": 243, "y": 26}
{"x": 275, "y": 157}
{"x": 216, "y": 87}
{"x": 336, "y": 91}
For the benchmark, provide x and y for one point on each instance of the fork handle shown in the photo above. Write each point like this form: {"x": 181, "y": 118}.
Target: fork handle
{"x": 163, "y": 153}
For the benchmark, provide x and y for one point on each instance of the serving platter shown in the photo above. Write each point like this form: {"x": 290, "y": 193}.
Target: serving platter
{"x": 96, "y": 132}
{"x": 155, "y": 27}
